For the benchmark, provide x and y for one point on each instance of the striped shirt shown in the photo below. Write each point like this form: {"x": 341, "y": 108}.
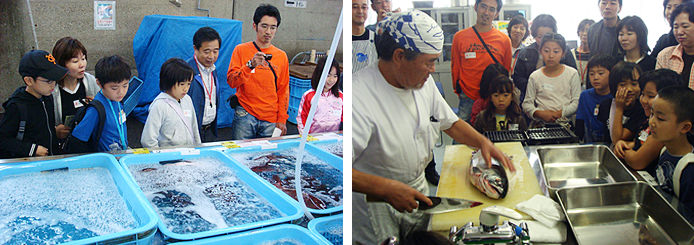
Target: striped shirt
{"x": 671, "y": 58}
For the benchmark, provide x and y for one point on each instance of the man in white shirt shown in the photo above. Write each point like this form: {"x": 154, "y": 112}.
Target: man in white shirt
{"x": 204, "y": 89}
{"x": 363, "y": 49}
{"x": 398, "y": 113}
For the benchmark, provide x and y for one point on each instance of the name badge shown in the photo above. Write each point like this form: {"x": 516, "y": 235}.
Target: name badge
{"x": 597, "y": 110}
{"x": 512, "y": 126}
{"x": 187, "y": 113}
{"x": 470, "y": 55}
{"x": 77, "y": 104}
{"x": 122, "y": 116}
{"x": 643, "y": 136}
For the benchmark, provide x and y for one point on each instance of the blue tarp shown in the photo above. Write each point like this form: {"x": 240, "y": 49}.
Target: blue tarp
{"x": 161, "y": 37}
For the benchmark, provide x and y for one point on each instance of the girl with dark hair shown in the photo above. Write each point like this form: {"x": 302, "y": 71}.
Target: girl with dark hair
{"x": 632, "y": 34}
{"x": 530, "y": 58}
{"x": 490, "y": 73}
{"x": 553, "y": 90}
{"x": 171, "y": 120}
{"x": 76, "y": 89}
{"x": 502, "y": 113}
{"x": 328, "y": 116}
{"x": 625, "y": 89}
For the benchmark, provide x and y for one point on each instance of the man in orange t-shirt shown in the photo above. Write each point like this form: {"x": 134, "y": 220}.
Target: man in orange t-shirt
{"x": 470, "y": 58}
{"x": 259, "y": 72}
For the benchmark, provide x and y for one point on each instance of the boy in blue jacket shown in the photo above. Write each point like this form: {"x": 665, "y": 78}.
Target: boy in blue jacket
{"x": 113, "y": 76}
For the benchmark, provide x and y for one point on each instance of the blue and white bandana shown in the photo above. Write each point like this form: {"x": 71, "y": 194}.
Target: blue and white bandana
{"x": 413, "y": 30}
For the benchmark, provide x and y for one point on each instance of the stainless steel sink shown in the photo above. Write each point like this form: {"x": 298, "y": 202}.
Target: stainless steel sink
{"x": 581, "y": 165}
{"x": 623, "y": 213}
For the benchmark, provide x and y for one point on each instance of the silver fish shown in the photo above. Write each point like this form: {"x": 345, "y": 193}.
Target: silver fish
{"x": 493, "y": 181}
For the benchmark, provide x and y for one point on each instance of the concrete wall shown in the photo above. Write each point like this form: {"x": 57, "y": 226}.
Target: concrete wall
{"x": 301, "y": 28}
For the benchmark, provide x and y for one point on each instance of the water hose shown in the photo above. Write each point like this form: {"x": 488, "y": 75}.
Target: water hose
{"x": 309, "y": 120}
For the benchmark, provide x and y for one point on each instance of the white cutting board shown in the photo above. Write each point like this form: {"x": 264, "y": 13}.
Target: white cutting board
{"x": 455, "y": 183}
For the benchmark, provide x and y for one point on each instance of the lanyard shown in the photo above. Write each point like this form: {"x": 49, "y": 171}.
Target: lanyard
{"x": 209, "y": 92}
{"x": 119, "y": 125}
{"x": 580, "y": 66}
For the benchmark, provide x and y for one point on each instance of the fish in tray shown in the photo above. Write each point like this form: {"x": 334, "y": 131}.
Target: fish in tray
{"x": 493, "y": 181}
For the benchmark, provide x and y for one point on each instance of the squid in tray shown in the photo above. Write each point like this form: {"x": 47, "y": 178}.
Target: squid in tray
{"x": 493, "y": 181}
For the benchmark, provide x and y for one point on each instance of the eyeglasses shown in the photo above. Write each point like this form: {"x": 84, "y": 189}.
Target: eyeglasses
{"x": 486, "y": 7}
{"x": 45, "y": 81}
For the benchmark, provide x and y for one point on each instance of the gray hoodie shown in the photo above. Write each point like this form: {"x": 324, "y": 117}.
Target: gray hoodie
{"x": 170, "y": 123}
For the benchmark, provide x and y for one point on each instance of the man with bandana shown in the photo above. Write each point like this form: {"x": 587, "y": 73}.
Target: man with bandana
{"x": 469, "y": 56}
{"x": 363, "y": 49}
{"x": 397, "y": 115}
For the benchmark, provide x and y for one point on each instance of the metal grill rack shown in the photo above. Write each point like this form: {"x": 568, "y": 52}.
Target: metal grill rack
{"x": 506, "y": 136}
{"x": 536, "y": 136}
{"x": 555, "y": 135}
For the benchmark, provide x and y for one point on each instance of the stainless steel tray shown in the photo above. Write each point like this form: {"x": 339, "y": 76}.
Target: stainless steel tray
{"x": 580, "y": 165}
{"x": 623, "y": 213}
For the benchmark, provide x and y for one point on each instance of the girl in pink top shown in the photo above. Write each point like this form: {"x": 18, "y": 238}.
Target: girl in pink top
{"x": 328, "y": 116}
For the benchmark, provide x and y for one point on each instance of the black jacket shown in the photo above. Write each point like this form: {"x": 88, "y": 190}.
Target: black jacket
{"x": 526, "y": 64}
{"x": 666, "y": 40}
{"x": 39, "y": 129}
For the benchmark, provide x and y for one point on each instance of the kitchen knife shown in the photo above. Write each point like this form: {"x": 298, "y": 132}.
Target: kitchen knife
{"x": 440, "y": 204}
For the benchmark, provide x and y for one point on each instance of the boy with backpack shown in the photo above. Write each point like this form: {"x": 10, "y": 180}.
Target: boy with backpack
{"x": 100, "y": 127}
{"x": 670, "y": 123}
{"x": 28, "y": 126}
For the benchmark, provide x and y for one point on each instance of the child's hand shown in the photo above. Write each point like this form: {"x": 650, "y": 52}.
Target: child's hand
{"x": 620, "y": 98}
{"x": 620, "y": 148}
{"x": 89, "y": 99}
{"x": 556, "y": 115}
{"x": 62, "y": 131}
{"x": 41, "y": 151}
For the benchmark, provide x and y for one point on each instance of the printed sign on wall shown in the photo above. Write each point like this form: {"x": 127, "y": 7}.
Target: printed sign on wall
{"x": 295, "y": 3}
{"x": 104, "y": 15}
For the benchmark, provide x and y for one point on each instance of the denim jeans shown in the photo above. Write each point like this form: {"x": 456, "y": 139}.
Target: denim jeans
{"x": 246, "y": 126}
{"x": 465, "y": 107}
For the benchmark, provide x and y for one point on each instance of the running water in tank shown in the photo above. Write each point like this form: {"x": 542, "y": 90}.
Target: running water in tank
{"x": 49, "y": 208}
{"x": 321, "y": 183}
{"x": 201, "y": 194}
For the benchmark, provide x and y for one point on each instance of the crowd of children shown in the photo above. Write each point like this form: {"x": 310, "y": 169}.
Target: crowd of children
{"x": 639, "y": 111}
{"x": 84, "y": 113}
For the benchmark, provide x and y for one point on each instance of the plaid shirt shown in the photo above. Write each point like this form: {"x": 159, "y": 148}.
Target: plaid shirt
{"x": 671, "y": 58}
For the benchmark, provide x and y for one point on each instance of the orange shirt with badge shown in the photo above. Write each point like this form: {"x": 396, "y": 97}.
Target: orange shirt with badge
{"x": 469, "y": 58}
{"x": 256, "y": 88}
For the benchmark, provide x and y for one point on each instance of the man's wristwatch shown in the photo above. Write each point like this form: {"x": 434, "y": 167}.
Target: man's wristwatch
{"x": 250, "y": 64}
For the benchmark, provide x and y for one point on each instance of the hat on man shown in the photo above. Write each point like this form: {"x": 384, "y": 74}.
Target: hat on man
{"x": 39, "y": 63}
{"x": 414, "y": 30}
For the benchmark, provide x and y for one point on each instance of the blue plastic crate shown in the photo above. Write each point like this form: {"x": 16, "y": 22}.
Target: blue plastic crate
{"x": 292, "y": 112}
{"x": 329, "y": 158}
{"x": 297, "y": 88}
{"x": 133, "y": 95}
{"x": 262, "y": 236}
{"x": 286, "y": 205}
{"x": 321, "y": 226}
{"x": 143, "y": 214}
